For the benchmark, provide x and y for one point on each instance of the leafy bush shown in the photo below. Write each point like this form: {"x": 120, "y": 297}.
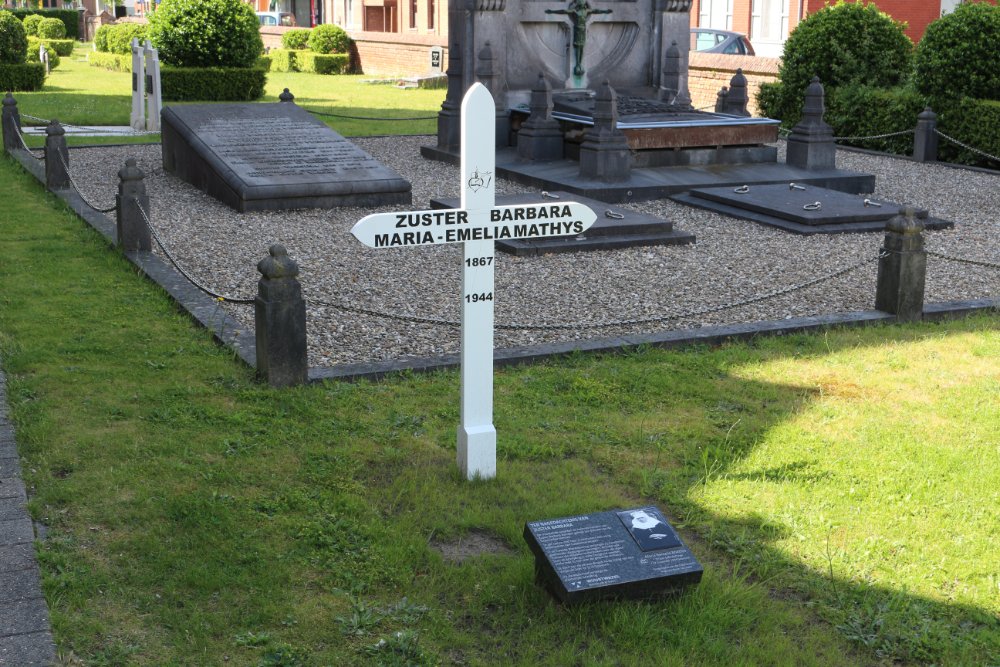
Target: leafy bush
{"x": 864, "y": 111}
{"x": 327, "y": 38}
{"x": 69, "y": 17}
{"x": 119, "y": 38}
{"x": 959, "y": 55}
{"x": 101, "y": 38}
{"x": 111, "y": 61}
{"x": 284, "y": 60}
{"x": 264, "y": 63}
{"x": 975, "y": 123}
{"x": 212, "y": 84}
{"x": 51, "y": 29}
{"x": 206, "y": 33}
{"x": 22, "y": 76}
{"x": 13, "y": 41}
{"x": 34, "y": 57}
{"x": 31, "y": 22}
{"x": 842, "y": 44}
{"x": 323, "y": 63}
{"x": 64, "y": 47}
{"x": 296, "y": 38}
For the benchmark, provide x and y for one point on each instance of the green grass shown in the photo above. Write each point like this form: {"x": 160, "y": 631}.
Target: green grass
{"x": 79, "y": 94}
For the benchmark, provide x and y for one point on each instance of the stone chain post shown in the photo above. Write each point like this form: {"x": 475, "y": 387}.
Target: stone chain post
{"x": 286, "y": 96}
{"x": 925, "y": 138}
{"x": 56, "y": 157}
{"x": 133, "y": 231}
{"x": 280, "y": 321}
{"x": 902, "y": 270}
{"x": 11, "y": 124}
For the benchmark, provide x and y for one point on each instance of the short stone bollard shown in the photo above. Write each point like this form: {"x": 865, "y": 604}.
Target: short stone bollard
{"x": 280, "y": 321}
{"x": 925, "y": 139}
{"x": 902, "y": 270}
{"x": 56, "y": 157}
{"x": 11, "y": 124}
{"x": 286, "y": 96}
{"x": 133, "y": 230}
{"x": 811, "y": 145}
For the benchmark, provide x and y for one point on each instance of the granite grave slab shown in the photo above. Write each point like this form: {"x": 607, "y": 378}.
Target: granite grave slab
{"x": 615, "y": 227}
{"x": 257, "y": 157}
{"x": 629, "y": 553}
{"x": 803, "y": 208}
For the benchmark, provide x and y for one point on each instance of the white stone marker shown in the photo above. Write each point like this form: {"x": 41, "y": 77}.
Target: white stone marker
{"x": 155, "y": 91}
{"x": 476, "y": 224}
{"x": 138, "y": 118}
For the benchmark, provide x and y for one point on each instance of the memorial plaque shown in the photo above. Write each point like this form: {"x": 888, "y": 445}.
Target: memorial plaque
{"x": 257, "y": 157}
{"x": 631, "y": 553}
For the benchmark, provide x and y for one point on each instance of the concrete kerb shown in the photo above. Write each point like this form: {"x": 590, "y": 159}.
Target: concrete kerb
{"x": 229, "y": 332}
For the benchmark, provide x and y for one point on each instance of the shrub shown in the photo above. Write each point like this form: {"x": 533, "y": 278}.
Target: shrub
{"x": 51, "y": 29}
{"x": 31, "y": 22}
{"x": 22, "y": 76}
{"x": 206, "y": 33}
{"x": 284, "y": 60}
{"x": 119, "y": 38}
{"x": 323, "y": 63}
{"x": 959, "y": 55}
{"x": 13, "y": 41}
{"x": 212, "y": 84}
{"x": 69, "y": 17}
{"x": 975, "y": 123}
{"x": 34, "y": 57}
{"x": 864, "y": 111}
{"x": 110, "y": 61}
{"x": 101, "y": 38}
{"x": 264, "y": 63}
{"x": 296, "y": 38}
{"x": 845, "y": 43}
{"x": 64, "y": 47}
{"x": 327, "y": 38}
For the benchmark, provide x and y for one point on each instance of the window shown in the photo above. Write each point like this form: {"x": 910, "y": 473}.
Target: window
{"x": 413, "y": 14}
{"x": 430, "y": 14}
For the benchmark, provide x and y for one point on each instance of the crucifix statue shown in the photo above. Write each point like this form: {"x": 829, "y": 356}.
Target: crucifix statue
{"x": 580, "y": 10}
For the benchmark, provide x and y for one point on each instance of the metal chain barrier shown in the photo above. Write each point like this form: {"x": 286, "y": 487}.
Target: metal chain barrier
{"x": 413, "y": 319}
{"x": 965, "y": 146}
{"x": 337, "y": 115}
{"x": 79, "y": 191}
{"x": 961, "y": 260}
{"x": 207, "y": 290}
{"x": 30, "y": 151}
{"x": 94, "y": 129}
{"x": 876, "y": 136}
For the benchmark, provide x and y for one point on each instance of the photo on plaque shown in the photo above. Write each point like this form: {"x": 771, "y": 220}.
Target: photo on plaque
{"x": 649, "y": 528}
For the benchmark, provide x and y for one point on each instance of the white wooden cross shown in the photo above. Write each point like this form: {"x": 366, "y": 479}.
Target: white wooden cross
{"x": 476, "y": 224}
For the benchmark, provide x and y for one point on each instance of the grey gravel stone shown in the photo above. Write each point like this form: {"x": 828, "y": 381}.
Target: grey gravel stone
{"x": 732, "y": 261}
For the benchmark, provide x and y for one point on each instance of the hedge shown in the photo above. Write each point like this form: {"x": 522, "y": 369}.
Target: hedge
{"x": 64, "y": 47}
{"x": 69, "y": 17}
{"x": 118, "y": 38}
{"x": 864, "y": 111}
{"x": 322, "y": 63}
{"x": 33, "y": 57}
{"x": 297, "y": 38}
{"x": 264, "y": 63}
{"x": 973, "y": 122}
{"x": 212, "y": 84}
{"x": 284, "y": 60}
{"x": 26, "y": 76}
{"x": 51, "y": 28}
{"x": 111, "y": 61}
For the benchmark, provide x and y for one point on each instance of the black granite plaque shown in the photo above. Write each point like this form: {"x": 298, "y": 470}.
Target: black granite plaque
{"x": 631, "y": 553}
{"x": 273, "y": 156}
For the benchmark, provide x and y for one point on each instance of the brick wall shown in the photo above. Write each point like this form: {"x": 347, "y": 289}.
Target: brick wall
{"x": 708, "y": 72}
{"x": 392, "y": 54}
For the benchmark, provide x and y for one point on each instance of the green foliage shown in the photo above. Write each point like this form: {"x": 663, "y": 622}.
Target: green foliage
{"x": 110, "y": 61}
{"x": 69, "y": 17}
{"x": 51, "y": 28}
{"x": 845, "y": 43}
{"x": 31, "y": 22}
{"x": 34, "y": 57}
{"x": 973, "y": 122}
{"x": 328, "y": 38}
{"x": 64, "y": 47}
{"x": 22, "y": 76}
{"x": 206, "y": 33}
{"x": 859, "y": 111}
{"x": 212, "y": 84}
{"x": 13, "y": 40}
{"x": 297, "y": 38}
{"x": 319, "y": 63}
{"x": 117, "y": 38}
{"x": 959, "y": 55}
{"x": 284, "y": 60}
{"x": 264, "y": 63}
{"x": 769, "y": 99}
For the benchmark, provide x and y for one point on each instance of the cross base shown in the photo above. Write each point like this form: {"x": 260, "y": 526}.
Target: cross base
{"x": 477, "y": 451}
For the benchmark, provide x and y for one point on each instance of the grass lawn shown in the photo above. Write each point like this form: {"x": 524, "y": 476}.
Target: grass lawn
{"x": 841, "y": 489}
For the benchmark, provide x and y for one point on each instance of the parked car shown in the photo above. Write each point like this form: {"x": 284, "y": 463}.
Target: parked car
{"x": 720, "y": 41}
{"x": 276, "y": 18}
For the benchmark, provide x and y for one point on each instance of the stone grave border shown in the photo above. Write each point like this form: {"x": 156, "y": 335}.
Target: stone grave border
{"x": 230, "y": 333}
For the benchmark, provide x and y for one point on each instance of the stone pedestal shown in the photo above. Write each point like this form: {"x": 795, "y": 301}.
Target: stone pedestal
{"x": 811, "y": 145}
{"x": 670, "y": 77}
{"x": 604, "y": 154}
{"x": 56, "y": 157}
{"x": 903, "y": 268}
{"x": 133, "y": 230}
{"x": 449, "y": 137}
{"x": 280, "y": 321}
{"x": 138, "y": 118}
{"x": 486, "y": 73}
{"x": 925, "y": 138}
{"x": 11, "y": 124}
{"x": 540, "y": 137}
{"x": 153, "y": 89}
{"x": 736, "y": 100}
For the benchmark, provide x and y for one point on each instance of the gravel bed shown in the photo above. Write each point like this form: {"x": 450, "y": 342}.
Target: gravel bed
{"x": 732, "y": 260}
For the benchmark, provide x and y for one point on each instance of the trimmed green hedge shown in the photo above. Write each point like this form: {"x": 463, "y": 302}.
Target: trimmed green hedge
{"x": 297, "y": 38}
{"x": 51, "y": 28}
{"x": 212, "y": 84}
{"x": 864, "y": 111}
{"x": 69, "y": 17}
{"x": 321, "y": 63}
{"x": 264, "y": 63}
{"x": 53, "y": 57}
{"x": 31, "y": 23}
{"x": 973, "y": 122}
{"x": 111, "y": 61}
{"x": 283, "y": 60}
{"x": 117, "y": 38}
{"x": 26, "y": 76}
{"x": 64, "y": 47}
